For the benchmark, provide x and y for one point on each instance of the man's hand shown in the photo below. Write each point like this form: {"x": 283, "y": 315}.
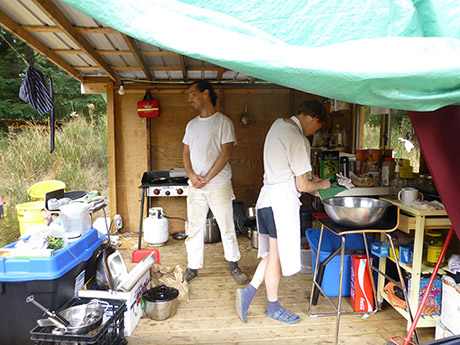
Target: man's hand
{"x": 197, "y": 180}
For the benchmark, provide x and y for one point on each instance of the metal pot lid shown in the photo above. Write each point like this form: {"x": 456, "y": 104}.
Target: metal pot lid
{"x": 161, "y": 293}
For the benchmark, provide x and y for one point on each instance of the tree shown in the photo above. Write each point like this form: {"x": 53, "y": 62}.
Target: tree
{"x": 67, "y": 95}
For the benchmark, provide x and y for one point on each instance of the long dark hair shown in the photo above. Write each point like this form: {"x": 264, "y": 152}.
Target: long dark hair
{"x": 203, "y": 85}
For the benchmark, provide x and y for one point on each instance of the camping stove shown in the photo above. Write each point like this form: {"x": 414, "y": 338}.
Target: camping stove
{"x": 165, "y": 183}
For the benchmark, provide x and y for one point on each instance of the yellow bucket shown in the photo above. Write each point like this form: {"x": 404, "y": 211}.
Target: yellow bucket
{"x": 29, "y": 214}
{"x": 38, "y": 190}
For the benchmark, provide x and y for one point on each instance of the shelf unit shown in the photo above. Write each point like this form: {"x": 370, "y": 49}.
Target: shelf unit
{"x": 413, "y": 219}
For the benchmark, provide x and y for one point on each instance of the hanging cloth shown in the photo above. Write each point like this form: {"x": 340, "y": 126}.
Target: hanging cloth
{"x": 34, "y": 91}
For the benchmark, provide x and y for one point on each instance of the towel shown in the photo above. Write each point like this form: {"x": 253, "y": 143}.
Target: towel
{"x": 330, "y": 192}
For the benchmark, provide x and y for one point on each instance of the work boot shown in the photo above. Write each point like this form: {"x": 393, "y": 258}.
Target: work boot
{"x": 239, "y": 276}
{"x": 190, "y": 273}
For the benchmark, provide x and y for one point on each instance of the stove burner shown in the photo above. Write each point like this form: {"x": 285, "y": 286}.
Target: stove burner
{"x": 161, "y": 183}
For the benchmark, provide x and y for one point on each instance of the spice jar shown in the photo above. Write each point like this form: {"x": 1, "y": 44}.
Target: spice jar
{"x": 432, "y": 247}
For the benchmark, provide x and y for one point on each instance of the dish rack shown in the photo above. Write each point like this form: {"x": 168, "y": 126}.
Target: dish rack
{"x": 109, "y": 333}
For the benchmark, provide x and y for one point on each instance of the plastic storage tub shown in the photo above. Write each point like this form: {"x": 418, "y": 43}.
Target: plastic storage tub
{"x": 52, "y": 280}
{"x": 329, "y": 244}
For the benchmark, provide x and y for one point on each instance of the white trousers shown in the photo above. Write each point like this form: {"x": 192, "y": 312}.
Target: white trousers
{"x": 218, "y": 198}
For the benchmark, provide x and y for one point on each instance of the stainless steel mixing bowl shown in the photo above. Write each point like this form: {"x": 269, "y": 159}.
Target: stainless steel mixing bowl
{"x": 357, "y": 212}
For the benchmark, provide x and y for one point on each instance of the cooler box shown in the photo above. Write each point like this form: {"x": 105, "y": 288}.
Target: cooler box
{"x": 329, "y": 244}
{"x": 52, "y": 280}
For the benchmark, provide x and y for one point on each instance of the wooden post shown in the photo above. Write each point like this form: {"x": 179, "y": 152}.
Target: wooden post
{"x": 111, "y": 142}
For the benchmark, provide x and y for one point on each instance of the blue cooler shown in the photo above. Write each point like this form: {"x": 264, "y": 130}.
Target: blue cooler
{"x": 329, "y": 244}
{"x": 52, "y": 280}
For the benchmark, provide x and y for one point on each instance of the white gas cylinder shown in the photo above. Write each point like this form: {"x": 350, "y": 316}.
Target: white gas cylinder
{"x": 156, "y": 227}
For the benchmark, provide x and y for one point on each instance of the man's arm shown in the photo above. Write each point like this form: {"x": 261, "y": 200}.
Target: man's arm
{"x": 197, "y": 181}
{"x": 304, "y": 185}
{"x": 221, "y": 161}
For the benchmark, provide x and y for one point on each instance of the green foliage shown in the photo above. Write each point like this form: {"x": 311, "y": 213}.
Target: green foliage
{"x": 80, "y": 160}
{"x": 401, "y": 127}
{"x": 68, "y": 99}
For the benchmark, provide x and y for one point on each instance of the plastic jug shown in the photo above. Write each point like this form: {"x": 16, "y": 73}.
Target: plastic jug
{"x": 75, "y": 217}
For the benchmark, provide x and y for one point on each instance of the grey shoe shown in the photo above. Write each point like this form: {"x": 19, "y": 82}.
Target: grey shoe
{"x": 239, "y": 276}
{"x": 190, "y": 273}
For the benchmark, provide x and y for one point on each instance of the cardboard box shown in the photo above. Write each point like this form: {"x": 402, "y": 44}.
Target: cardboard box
{"x": 442, "y": 331}
{"x": 379, "y": 249}
{"x": 329, "y": 164}
{"x": 450, "y": 314}
{"x": 361, "y": 294}
{"x": 433, "y": 303}
{"x": 133, "y": 300}
{"x": 405, "y": 254}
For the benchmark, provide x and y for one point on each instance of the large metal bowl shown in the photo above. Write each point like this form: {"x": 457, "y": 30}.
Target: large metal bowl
{"x": 357, "y": 212}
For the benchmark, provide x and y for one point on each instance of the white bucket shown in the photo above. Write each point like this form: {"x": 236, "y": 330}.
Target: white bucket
{"x": 75, "y": 217}
{"x": 305, "y": 261}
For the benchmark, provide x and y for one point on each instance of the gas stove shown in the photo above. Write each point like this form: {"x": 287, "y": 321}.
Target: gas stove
{"x": 165, "y": 183}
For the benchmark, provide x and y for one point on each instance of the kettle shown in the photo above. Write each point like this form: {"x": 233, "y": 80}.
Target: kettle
{"x": 156, "y": 227}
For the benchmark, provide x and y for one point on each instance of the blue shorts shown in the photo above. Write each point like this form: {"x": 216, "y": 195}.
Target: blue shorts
{"x": 266, "y": 222}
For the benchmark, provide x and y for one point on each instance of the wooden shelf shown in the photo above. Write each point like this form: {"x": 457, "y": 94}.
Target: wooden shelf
{"x": 424, "y": 269}
{"x": 424, "y": 321}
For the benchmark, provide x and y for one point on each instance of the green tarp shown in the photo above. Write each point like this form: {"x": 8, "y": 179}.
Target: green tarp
{"x": 400, "y": 54}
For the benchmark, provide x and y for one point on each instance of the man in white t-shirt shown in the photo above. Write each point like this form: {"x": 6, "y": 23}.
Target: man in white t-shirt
{"x": 286, "y": 168}
{"x": 208, "y": 145}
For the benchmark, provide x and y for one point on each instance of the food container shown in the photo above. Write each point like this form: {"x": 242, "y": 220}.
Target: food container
{"x": 161, "y": 302}
{"x": 75, "y": 217}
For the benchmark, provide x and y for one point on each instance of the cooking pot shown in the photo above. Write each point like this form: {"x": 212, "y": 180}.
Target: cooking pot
{"x": 160, "y": 302}
{"x": 211, "y": 231}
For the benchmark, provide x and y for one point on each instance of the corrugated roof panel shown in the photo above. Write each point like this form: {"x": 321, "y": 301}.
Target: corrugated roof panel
{"x": 210, "y": 75}
{"x": 160, "y": 75}
{"x": 77, "y": 60}
{"x": 32, "y": 9}
{"x": 70, "y": 44}
{"x": 100, "y": 41}
{"x": 76, "y": 17}
{"x": 194, "y": 74}
{"x": 176, "y": 75}
{"x": 145, "y": 46}
{"x": 50, "y": 39}
{"x": 171, "y": 61}
{"x": 19, "y": 13}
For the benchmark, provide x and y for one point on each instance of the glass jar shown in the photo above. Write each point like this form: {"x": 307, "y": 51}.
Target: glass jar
{"x": 432, "y": 247}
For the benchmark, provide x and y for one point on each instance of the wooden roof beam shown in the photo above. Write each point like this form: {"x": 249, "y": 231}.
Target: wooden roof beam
{"x": 79, "y": 29}
{"x": 182, "y": 65}
{"x": 220, "y": 73}
{"x": 139, "y": 58}
{"x": 116, "y": 52}
{"x": 16, "y": 30}
{"x": 152, "y": 68}
{"x": 58, "y": 17}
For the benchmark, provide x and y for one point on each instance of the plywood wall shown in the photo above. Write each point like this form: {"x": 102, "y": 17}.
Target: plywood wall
{"x": 166, "y": 133}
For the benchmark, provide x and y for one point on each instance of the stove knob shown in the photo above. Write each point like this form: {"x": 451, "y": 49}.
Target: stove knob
{"x": 180, "y": 191}
{"x": 167, "y": 193}
{"x": 156, "y": 191}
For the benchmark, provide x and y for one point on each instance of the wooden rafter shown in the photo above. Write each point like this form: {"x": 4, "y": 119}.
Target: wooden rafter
{"x": 16, "y": 30}
{"x": 79, "y": 29}
{"x": 152, "y": 68}
{"x": 220, "y": 73}
{"x": 115, "y": 52}
{"x": 135, "y": 51}
{"x": 60, "y": 19}
{"x": 182, "y": 65}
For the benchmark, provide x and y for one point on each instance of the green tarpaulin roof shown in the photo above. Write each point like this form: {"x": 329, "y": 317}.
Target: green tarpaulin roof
{"x": 401, "y": 54}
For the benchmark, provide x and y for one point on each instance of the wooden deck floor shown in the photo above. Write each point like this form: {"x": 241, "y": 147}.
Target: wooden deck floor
{"x": 209, "y": 316}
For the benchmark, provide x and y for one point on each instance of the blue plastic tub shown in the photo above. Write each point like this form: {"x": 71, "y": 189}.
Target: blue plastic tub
{"x": 329, "y": 244}
{"x": 52, "y": 280}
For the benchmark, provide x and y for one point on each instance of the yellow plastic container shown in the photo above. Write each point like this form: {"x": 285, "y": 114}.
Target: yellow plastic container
{"x": 38, "y": 190}
{"x": 29, "y": 215}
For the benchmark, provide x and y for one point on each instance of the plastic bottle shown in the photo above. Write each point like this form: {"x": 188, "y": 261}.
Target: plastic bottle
{"x": 338, "y": 136}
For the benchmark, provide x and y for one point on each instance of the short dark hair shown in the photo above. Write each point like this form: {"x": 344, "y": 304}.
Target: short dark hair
{"x": 315, "y": 109}
{"x": 203, "y": 85}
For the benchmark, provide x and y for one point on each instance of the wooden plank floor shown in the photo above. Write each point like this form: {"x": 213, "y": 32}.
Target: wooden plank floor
{"x": 209, "y": 316}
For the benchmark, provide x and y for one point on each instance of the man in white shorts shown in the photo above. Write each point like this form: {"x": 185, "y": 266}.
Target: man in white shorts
{"x": 208, "y": 145}
{"x": 286, "y": 168}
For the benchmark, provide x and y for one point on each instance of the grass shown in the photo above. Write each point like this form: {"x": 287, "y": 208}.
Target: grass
{"x": 79, "y": 160}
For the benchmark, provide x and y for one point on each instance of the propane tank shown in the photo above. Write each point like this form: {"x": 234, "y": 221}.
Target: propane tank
{"x": 156, "y": 227}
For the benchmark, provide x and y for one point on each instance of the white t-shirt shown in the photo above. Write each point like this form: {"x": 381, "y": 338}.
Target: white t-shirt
{"x": 205, "y": 137}
{"x": 286, "y": 153}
